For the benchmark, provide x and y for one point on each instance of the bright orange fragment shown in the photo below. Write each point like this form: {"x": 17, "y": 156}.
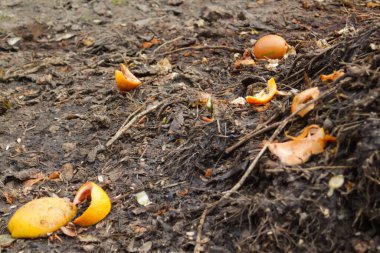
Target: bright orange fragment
{"x": 125, "y": 80}
{"x": 41, "y": 216}
{"x": 207, "y": 120}
{"x": 311, "y": 141}
{"x": 265, "y": 95}
{"x": 54, "y": 175}
{"x": 302, "y": 98}
{"x": 149, "y": 44}
{"x": 331, "y": 77}
{"x": 208, "y": 173}
{"x": 99, "y": 208}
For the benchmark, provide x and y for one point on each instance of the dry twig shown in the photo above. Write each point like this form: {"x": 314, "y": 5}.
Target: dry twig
{"x": 128, "y": 123}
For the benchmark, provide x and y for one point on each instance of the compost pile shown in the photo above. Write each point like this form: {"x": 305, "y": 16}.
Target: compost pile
{"x": 183, "y": 137}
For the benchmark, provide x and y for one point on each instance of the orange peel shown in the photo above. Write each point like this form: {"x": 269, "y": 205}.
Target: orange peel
{"x": 125, "y": 80}
{"x": 40, "y": 217}
{"x": 265, "y": 95}
{"x": 331, "y": 77}
{"x": 302, "y": 98}
{"x": 311, "y": 141}
{"x": 99, "y": 208}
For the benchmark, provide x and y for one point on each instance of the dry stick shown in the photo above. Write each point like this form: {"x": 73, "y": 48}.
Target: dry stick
{"x": 166, "y": 43}
{"x": 126, "y": 126}
{"x": 199, "y": 48}
{"x": 257, "y": 131}
{"x": 210, "y": 207}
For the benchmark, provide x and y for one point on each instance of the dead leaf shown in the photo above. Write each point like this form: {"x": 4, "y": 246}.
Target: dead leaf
{"x": 54, "y": 175}
{"x": 88, "y": 41}
{"x": 245, "y": 60}
{"x": 66, "y": 172}
{"x": 69, "y": 230}
{"x": 183, "y": 193}
{"x": 37, "y": 178}
{"x": 88, "y": 238}
{"x": 8, "y": 197}
{"x": 177, "y": 122}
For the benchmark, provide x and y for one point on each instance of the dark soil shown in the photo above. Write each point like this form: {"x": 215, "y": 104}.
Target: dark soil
{"x": 59, "y": 107}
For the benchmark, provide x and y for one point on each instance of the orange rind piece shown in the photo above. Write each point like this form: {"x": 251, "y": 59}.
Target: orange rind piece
{"x": 311, "y": 141}
{"x": 331, "y": 77}
{"x": 40, "y": 217}
{"x": 302, "y": 98}
{"x": 99, "y": 208}
{"x": 265, "y": 95}
{"x": 125, "y": 80}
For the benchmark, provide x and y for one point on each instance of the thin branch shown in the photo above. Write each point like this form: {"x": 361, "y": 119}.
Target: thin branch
{"x": 127, "y": 124}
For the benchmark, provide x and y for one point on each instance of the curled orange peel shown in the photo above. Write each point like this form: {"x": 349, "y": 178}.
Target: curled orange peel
{"x": 40, "y": 217}
{"x": 125, "y": 80}
{"x": 265, "y": 95}
{"x": 99, "y": 208}
{"x": 311, "y": 141}
{"x": 331, "y": 77}
{"x": 302, "y": 98}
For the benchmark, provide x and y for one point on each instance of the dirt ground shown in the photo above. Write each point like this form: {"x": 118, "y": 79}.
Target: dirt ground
{"x": 60, "y": 109}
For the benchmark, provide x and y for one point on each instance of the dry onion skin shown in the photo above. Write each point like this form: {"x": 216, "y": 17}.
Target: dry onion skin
{"x": 125, "y": 80}
{"x": 99, "y": 208}
{"x": 40, "y": 217}
{"x": 311, "y": 141}
{"x": 302, "y": 98}
{"x": 270, "y": 47}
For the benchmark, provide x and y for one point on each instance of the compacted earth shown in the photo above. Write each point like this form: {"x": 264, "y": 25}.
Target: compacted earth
{"x": 181, "y": 136}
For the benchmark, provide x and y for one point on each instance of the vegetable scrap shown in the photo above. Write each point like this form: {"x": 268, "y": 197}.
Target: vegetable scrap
{"x": 270, "y": 47}
{"x": 311, "y": 141}
{"x": 245, "y": 60}
{"x": 265, "y": 95}
{"x": 331, "y": 77}
{"x": 99, "y": 208}
{"x": 302, "y": 98}
{"x": 208, "y": 173}
{"x": 143, "y": 198}
{"x": 40, "y": 217}
{"x": 334, "y": 183}
{"x": 125, "y": 80}
{"x": 149, "y": 44}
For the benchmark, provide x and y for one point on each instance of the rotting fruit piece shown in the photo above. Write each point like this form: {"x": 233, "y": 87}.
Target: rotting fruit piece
{"x": 99, "y": 208}
{"x": 125, "y": 80}
{"x": 311, "y": 141}
{"x": 41, "y": 216}
{"x": 270, "y": 47}
{"x": 265, "y": 95}
{"x": 302, "y": 98}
